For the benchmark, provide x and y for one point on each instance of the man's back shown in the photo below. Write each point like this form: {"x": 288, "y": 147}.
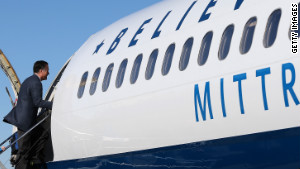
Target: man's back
{"x": 29, "y": 100}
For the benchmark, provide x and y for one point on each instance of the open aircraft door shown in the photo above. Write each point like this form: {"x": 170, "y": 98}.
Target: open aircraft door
{"x": 48, "y": 150}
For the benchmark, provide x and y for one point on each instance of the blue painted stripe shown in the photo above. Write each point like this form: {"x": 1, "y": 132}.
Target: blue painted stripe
{"x": 184, "y": 16}
{"x": 239, "y": 78}
{"x": 272, "y": 150}
{"x": 222, "y": 97}
{"x": 263, "y": 73}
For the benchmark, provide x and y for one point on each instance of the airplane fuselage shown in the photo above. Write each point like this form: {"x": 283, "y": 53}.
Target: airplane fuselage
{"x": 183, "y": 84}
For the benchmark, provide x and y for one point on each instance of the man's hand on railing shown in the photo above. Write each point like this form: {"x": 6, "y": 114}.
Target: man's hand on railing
{"x": 2, "y": 149}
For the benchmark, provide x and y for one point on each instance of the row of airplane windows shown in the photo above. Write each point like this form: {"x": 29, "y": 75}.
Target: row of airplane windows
{"x": 245, "y": 45}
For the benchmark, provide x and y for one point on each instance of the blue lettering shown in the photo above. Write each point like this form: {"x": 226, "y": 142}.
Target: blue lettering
{"x": 222, "y": 97}
{"x": 157, "y": 31}
{"x": 238, "y": 4}
{"x": 139, "y": 31}
{"x": 98, "y": 47}
{"x": 263, "y": 73}
{"x": 239, "y": 78}
{"x": 289, "y": 86}
{"x": 184, "y": 16}
{"x": 116, "y": 41}
{"x": 206, "y": 15}
{"x": 197, "y": 101}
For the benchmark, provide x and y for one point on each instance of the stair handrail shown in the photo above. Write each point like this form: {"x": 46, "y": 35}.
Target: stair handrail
{"x": 48, "y": 113}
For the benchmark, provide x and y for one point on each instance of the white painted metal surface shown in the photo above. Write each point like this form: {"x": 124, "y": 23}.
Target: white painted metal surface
{"x": 161, "y": 112}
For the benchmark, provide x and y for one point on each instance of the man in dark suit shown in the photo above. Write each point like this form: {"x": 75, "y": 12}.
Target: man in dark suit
{"x": 24, "y": 115}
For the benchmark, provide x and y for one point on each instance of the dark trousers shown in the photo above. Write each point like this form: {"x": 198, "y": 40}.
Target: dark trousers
{"x": 23, "y": 151}
{"x": 31, "y": 147}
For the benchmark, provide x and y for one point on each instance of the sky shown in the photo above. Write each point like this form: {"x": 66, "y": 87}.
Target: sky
{"x": 53, "y": 30}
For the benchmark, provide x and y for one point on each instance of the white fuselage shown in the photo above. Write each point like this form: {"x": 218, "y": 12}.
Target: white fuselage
{"x": 161, "y": 111}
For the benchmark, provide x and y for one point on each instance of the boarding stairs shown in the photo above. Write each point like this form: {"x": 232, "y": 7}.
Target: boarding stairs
{"x": 48, "y": 113}
{"x": 15, "y": 84}
{"x": 43, "y": 115}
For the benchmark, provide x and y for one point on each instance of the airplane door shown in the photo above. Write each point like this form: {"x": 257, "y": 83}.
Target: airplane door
{"x": 46, "y": 126}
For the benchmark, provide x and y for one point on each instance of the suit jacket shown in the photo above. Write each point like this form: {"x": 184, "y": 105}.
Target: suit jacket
{"x": 24, "y": 114}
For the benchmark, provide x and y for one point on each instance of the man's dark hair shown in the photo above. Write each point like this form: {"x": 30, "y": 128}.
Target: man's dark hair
{"x": 38, "y": 65}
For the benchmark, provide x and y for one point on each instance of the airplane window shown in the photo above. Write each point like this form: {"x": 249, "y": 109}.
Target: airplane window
{"x": 247, "y": 38}
{"x": 168, "y": 59}
{"x": 95, "y": 81}
{"x": 121, "y": 73}
{"x": 151, "y": 64}
{"x": 185, "y": 54}
{"x": 136, "y": 69}
{"x": 107, "y": 77}
{"x": 225, "y": 42}
{"x": 205, "y": 47}
{"x": 272, "y": 28}
{"x": 82, "y": 85}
